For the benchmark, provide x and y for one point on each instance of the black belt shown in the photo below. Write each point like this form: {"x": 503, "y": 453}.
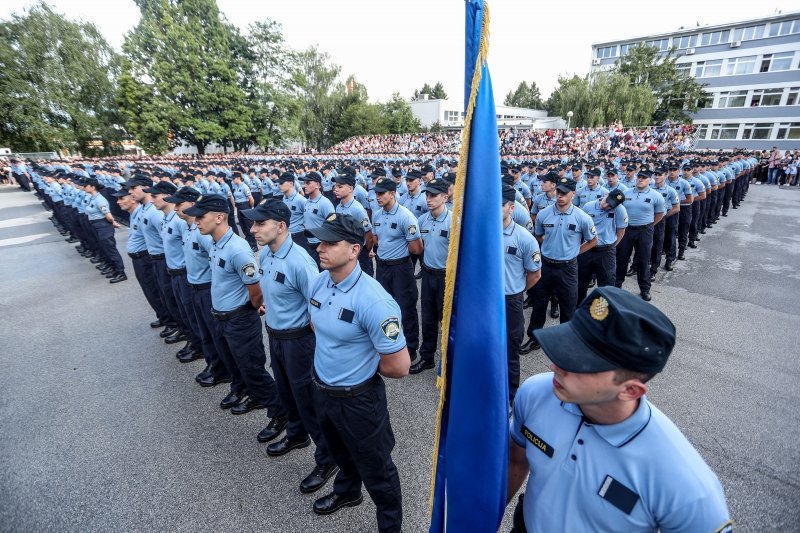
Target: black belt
{"x": 642, "y": 226}
{"x": 176, "y": 271}
{"x": 393, "y": 262}
{"x": 222, "y": 316}
{"x": 99, "y": 220}
{"x": 685, "y": 205}
{"x": 435, "y": 271}
{"x": 200, "y": 286}
{"x": 514, "y": 296}
{"x": 289, "y": 334}
{"x": 157, "y": 256}
{"x": 553, "y": 262}
{"x": 344, "y": 392}
{"x": 138, "y": 255}
{"x": 603, "y": 247}
{"x": 245, "y": 204}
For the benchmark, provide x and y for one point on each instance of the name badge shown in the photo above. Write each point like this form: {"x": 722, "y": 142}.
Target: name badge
{"x": 280, "y": 277}
{"x": 548, "y": 225}
{"x": 444, "y": 233}
{"x": 511, "y": 250}
{"x": 537, "y": 441}
{"x": 314, "y": 303}
{"x": 346, "y": 315}
{"x": 618, "y": 495}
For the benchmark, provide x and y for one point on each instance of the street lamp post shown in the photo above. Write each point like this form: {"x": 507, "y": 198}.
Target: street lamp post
{"x": 569, "y": 118}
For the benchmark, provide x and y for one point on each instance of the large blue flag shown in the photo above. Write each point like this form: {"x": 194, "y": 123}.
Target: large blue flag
{"x": 471, "y": 453}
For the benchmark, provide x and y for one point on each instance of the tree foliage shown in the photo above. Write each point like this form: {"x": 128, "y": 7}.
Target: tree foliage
{"x": 57, "y": 84}
{"x": 435, "y": 92}
{"x": 527, "y": 96}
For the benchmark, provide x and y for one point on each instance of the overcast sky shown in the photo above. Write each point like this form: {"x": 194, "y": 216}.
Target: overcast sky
{"x": 399, "y": 45}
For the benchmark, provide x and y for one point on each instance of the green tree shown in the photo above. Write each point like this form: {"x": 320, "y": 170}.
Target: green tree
{"x": 436, "y": 92}
{"x": 398, "y": 116}
{"x": 677, "y": 95}
{"x": 183, "y": 53}
{"x": 57, "y": 85}
{"x": 525, "y": 95}
{"x": 320, "y": 97}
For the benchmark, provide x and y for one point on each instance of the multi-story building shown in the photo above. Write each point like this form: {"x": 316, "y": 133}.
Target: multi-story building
{"x": 449, "y": 114}
{"x": 751, "y": 72}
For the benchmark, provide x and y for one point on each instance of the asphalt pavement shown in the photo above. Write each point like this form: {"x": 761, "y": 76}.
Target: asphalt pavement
{"x": 104, "y": 430}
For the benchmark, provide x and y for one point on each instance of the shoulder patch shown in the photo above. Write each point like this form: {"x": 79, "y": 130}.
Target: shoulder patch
{"x": 249, "y": 270}
{"x": 537, "y": 257}
{"x": 391, "y": 328}
{"x": 412, "y": 229}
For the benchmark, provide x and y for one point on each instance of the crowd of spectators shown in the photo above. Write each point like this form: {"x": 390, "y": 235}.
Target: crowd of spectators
{"x": 406, "y": 143}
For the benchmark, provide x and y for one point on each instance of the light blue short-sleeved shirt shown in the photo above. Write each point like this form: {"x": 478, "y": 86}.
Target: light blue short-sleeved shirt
{"x": 606, "y": 222}
{"x": 524, "y": 190}
{"x": 172, "y": 236}
{"x": 315, "y": 213}
{"x": 151, "y": 228}
{"x": 522, "y": 217}
{"x": 241, "y": 193}
{"x": 520, "y": 256}
{"x": 395, "y": 229}
{"x": 233, "y": 266}
{"x": 682, "y": 187}
{"x": 698, "y": 187}
{"x": 670, "y": 196}
{"x": 418, "y": 205}
{"x": 285, "y": 279}
{"x": 563, "y": 232}
{"x": 136, "y": 241}
{"x": 642, "y": 206}
{"x": 587, "y": 195}
{"x": 361, "y": 195}
{"x": 540, "y": 201}
{"x": 355, "y": 210}
{"x": 296, "y": 203}
{"x": 196, "y": 247}
{"x": 97, "y": 207}
{"x": 435, "y": 234}
{"x": 355, "y": 321}
{"x": 639, "y": 475}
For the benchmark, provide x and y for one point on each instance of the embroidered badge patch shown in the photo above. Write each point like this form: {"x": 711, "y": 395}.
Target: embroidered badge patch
{"x": 391, "y": 328}
{"x": 249, "y": 270}
{"x": 599, "y": 308}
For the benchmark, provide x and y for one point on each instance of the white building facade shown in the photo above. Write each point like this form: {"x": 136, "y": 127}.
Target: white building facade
{"x": 751, "y": 70}
{"x": 450, "y": 115}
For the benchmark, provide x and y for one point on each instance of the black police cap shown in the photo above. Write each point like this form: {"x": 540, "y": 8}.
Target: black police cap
{"x": 566, "y": 185}
{"x": 612, "y": 171}
{"x": 385, "y": 185}
{"x": 379, "y": 172}
{"x": 313, "y": 176}
{"x": 269, "y": 210}
{"x": 427, "y": 168}
{"x": 162, "y": 187}
{"x": 205, "y": 204}
{"x": 345, "y": 179}
{"x": 615, "y": 197}
{"x": 139, "y": 180}
{"x": 509, "y": 194}
{"x": 551, "y": 176}
{"x": 338, "y": 227}
{"x": 184, "y": 194}
{"x": 413, "y": 175}
{"x": 437, "y": 186}
{"x": 121, "y": 193}
{"x": 286, "y": 176}
{"x": 611, "y": 329}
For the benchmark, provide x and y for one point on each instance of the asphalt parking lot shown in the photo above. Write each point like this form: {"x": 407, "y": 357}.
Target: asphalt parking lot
{"x": 103, "y": 430}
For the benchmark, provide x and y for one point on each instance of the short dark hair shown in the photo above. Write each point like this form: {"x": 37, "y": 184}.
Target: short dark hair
{"x": 621, "y": 376}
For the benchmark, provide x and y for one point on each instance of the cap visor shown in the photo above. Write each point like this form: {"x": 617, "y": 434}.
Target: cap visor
{"x": 564, "y": 189}
{"x": 253, "y": 214}
{"x": 151, "y": 190}
{"x": 194, "y": 211}
{"x": 562, "y": 345}
{"x": 325, "y": 234}
{"x": 174, "y": 199}
{"x": 120, "y": 194}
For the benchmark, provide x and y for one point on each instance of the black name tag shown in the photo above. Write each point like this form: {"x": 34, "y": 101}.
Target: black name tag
{"x": 424, "y": 231}
{"x": 511, "y": 250}
{"x": 145, "y": 221}
{"x": 393, "y": 225}
{"x": 280, "y": 277}
{"x": 294, "y": 208}
{"x": 572, "y": 227}
{"x": 221, "y": 263}
{"x": 647, "y": 200}
{"x": 169, "y": 230}
{"x": 444, "y": 233}
{"x": 346, "y": 315}
{"x": 548, "y": 225}
{"x": 195, "y": 246}
{"x": 419, "y": 208}
{"x": 314, "y": 303}
{"x": 315, "y": 211}
{"x": 611, "y": 215}
{"x": 618, "y": 495}
{"x": 537, "y": 441}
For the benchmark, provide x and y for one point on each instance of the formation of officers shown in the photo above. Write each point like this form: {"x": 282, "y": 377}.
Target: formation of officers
{"x": 335, "y": 285}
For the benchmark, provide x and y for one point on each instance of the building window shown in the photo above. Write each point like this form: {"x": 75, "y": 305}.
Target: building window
{"x": 701, "y": 131}
{"x": 606, "y": 51}
{"x": 683, "y": 69}
{"x": 685, "y": 41}
{"x": 740, "y": 65}
{"x": 786, "y": 27}
{"x": 661, "y": 44}
{"x": 748, "y": 33}
{"x": 707, "y": 69}
{"x": 793, "y": 94}
{"x": 724, "y": 131}
{"x": 766, "y": 97}
{"x": 732, "y": 99}
{"x": 452, "y": 116}
{"x": 715, "y": 37}
{"x": 757, "y": 131}
{"x": 623, "y": 49}
{"x": 789, "y": 131}
{"x": 776, "y": 62}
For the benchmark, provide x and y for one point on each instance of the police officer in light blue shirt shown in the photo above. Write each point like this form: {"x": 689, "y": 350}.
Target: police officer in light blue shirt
{"x": 434, "y": 227}
{"x": 564, "y": 232}
{"x": 610, "y": 220}
{"x": 699, "y": 191}
{"x": 613, "y": 181}
{"x": 236, "y": 298}
{"x": 286, "y": 274}
{"x": 359, "y": 339}
{"x": 676, "y": 242}
{"x": 346, "y": 204}
{"x": 645, "y": 208}
{"x": 592, "y": 191}
{"x": 668, "y": 225}
{"x": 522, "y": 266}
{"x": 317, "y": 209}
{"x": 615, "y": 464}
{"x": 102, "y": 224}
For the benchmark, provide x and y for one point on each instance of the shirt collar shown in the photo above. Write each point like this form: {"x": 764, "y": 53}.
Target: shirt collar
{"x": 510, "y": 229}
{"x": 394, "y": 209}
{"x": 224, "y": 239}
{"x": 349, "y": 282}
{"x": 283, "y": 251}
{"x": 443, "y": 216}
{"x": 620, "y": 434}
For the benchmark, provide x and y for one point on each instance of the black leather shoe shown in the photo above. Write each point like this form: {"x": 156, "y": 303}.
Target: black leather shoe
{"x": 421, "y": 365}
{"x": 703, "y": 231}
{"x": 157, "y": 324}
{"x": 245, "y": 406}
{"x": 692, "y": 244}
{"x": 682, "y": 255}
{"x": 317, "y": 478}
{"x": 230, "y": 400}
{"x": 102, "y": 266}
{"x": 168, "y": 332}
{"x": 652, "y": 277}
{"x": 72, "y": 239}
{"x": 528, "y": 303}
{"x": 646, "y": 296}
{"x": 95, "y": 260}
{"x": 668, "y": 266}
{"x": 189, "y": 357}
{"x": 118, "y": 278}
{"x": 284, "y": 446}
{"x": 185, "y": 350}
{"x": 110, "y": 275}
{"x": 178, "y": 336}
{"x": 273, "y": 429}
{"x": 204, "y": 374}
{"x": 333, "y": 502}
{"x": 631, "y": 272}
{"x": 554, "y": 310}
{"x": 211, "y": 381}
{"x": 529, "y": 346}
